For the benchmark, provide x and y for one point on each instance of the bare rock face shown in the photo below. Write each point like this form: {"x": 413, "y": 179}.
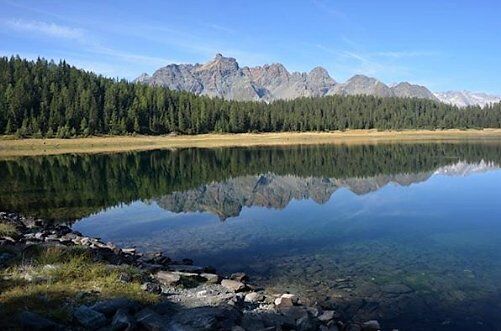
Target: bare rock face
{"x": 407, "y": 90}
{"x": 362, "y": 85}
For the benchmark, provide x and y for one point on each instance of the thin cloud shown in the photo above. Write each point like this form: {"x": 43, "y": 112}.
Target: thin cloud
{"x": 81, "y": 37}
{"x": 220, "y": 28}
{"x": 405, "y": 54}
{"x": 326, "y": 8}
{"x": 48, "y": 29}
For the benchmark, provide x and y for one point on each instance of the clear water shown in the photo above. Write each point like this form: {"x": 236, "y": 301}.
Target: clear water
{"x": 409, "y": 234}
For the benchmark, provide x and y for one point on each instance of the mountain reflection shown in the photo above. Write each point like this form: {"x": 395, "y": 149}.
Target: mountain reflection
{"x": 226, "y": 199}
{"x": 223, "y": 181}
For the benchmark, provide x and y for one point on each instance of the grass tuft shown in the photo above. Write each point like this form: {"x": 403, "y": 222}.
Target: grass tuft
{"x": 52, "y": 281}
{"x": 7, "y": 229}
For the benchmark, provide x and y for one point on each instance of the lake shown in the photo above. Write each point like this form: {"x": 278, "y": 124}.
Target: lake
{"x": 409, "y": 234}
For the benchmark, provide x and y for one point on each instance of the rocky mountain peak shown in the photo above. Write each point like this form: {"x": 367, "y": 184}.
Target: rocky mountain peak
{"x": 225, "y": 65}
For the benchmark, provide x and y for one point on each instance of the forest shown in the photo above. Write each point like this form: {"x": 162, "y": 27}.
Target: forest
{"x": 46, "y": 99}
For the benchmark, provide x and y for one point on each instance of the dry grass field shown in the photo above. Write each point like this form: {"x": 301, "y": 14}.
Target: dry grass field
{"x": 10, "y": 147}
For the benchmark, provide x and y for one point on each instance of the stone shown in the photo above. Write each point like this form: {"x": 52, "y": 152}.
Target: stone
{"x": 122, "y": 320}
{"x": 125, "y": 277}
{"x": 286, "y": 300}
{"x": 233, "y": 285}
{"x": 109, "y": 307}
{"x": 327, "y": 316}
{"x": 129, "y": 250}
{"x": 168, "y": 278}
{"x": 239, "y": 276}
{"x": 202, "y": 294}
{"x": 31, "y": 321}
{"x": 150, "y": 320}
{"x": 89, "y": 318}
{"x": 151, "y": 287}
{"x": 371, "y": 325}
{"x": 211, "y": 278}
{"x": 254, "y": 297}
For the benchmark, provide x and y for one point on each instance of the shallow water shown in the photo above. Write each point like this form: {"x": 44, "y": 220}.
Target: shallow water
{"x": 409, "y": 234}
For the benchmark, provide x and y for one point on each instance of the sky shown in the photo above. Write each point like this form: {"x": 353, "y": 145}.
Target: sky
{"x": 445, "y": 45}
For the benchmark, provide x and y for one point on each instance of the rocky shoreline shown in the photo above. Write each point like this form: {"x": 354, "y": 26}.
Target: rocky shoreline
{"x": 189, "y": 297}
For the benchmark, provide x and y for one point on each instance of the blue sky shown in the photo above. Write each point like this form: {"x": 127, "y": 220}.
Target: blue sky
{"x": 441, "y": 44}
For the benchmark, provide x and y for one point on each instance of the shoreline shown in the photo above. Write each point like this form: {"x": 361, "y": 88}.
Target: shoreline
{"x": 155, "y": 292}
{"x": 10, "y": 147}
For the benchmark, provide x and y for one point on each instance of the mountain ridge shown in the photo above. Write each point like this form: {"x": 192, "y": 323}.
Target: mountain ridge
{"x": 223, "y": 77}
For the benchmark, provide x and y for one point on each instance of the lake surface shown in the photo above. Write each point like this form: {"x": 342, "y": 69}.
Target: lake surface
{"x": 409, "y": 234}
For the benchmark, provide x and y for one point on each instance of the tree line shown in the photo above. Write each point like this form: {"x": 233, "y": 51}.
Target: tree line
{"x": 46, "y": 99}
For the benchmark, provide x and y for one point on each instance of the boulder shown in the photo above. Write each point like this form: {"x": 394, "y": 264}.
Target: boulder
{"x": 89, "y": 318}
{"x": 233, "y": 285}
{"x": 109, "y": 307}
{"x": 286, "y": 300}
{"x": 168, "y": 278}
{"x": 122, "y": 320}
{"x": 254, "y": 297}
{"x": 327, "y": 316}
{"x": 150, "y": 320}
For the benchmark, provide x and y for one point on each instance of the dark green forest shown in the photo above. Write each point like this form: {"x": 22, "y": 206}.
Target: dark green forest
{"x": 68, "y": 187}
{"x": 44, "y": 99}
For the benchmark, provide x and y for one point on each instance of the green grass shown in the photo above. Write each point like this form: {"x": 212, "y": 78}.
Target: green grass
{"x": 51, "y": 281}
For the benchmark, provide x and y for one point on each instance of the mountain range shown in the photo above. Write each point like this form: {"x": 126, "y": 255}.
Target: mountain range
{"x": 223, "y": 77}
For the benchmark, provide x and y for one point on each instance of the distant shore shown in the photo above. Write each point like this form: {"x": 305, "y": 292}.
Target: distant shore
{"x": 11, "y": 147}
